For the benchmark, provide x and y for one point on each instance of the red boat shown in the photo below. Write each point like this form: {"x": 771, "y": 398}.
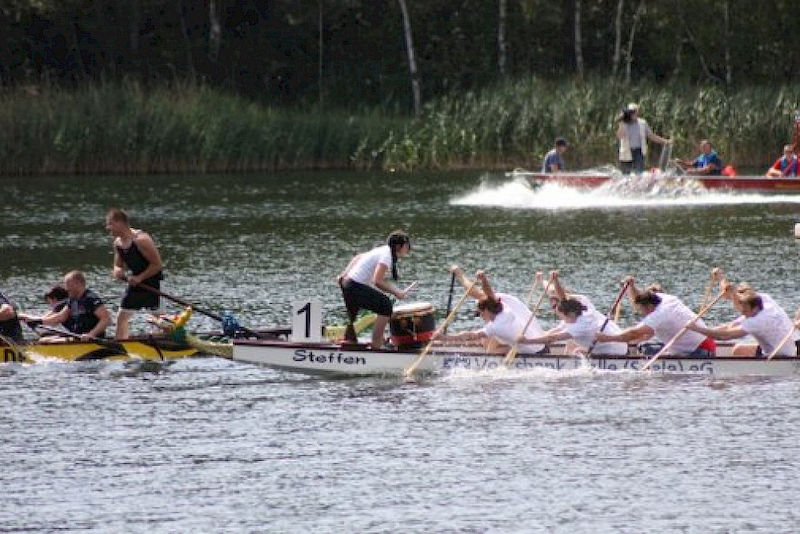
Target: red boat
{"x": 589, "y": 180}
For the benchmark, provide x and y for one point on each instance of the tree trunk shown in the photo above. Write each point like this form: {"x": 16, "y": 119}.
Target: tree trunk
{"x": 214, "y": 31}
{"x": 617, "y": 38}
{"x": 133, "y": 27}
{"x": 412, "y": 62}
{"x": 728, "y": 64}
{"x": 188, "y": 43}
{"x": 320, "y": 56}
{"x": 578, "y": 45}
{"x": 631, "y": 39}
{"x": 502, "y": 46}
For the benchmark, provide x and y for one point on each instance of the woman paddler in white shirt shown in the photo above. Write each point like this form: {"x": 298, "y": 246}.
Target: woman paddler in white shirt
{"x": 504, "y": 318}
{"x": 581, "y": 327}
{"x": 365, "y": 276}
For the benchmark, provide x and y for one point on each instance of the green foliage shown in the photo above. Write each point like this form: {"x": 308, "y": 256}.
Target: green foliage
{"x": 125, "y": 128}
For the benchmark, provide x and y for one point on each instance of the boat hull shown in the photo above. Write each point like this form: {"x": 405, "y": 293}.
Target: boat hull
{"x": 70, "y": 351}
{"x": 755, "y": 184}
{"x": 333, "y": 360}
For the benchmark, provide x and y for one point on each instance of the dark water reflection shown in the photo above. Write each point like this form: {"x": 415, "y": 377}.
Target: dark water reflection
{"x": 212, "y": 446}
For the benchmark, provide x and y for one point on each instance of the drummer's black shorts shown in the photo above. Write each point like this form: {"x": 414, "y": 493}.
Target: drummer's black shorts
{"x": 136, "y": 298}
{"x": 363, "y": 297}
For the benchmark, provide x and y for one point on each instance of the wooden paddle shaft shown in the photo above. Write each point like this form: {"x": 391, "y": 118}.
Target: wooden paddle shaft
{"x": 512, "y": 352}
{"x": 414, "y": 364}
{"x": 608, "y": 315}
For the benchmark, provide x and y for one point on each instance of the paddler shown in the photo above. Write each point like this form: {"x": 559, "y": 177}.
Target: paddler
{"x": 364, "y": 284}
{"x": 761, "y": 317}
{"x": 9, "y": 322}
{"x": 707, "y": 163}
{"x": 134, "y": 250}
{"x": 504, "y": 317}
{"x": 83, "y": 314}
{"x": 663, "y": 316}
{"x": 785, "y": 166}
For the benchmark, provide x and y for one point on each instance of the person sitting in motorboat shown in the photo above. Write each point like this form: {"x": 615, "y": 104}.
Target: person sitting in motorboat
{"x": 761, "y": 318}
{"x": 520, "y": 311}
{"x": 707, "y": 163}
{"x": 580, "y": 326}
{"x": 84, "y": 313}
{"x": 364, "y": 285}
{"x": 785, "y": 166}
{"x": 9, "y": 321}
{"x": 663, "y": 316}
{"x": 554, "y": 160}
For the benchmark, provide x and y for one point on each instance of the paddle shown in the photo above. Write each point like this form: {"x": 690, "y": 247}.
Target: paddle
{"x": 450, "y": 296}
{"x": 512, "y": 352}
{"x": 109, "y": 344}
{"x": 682, "y": 331}
{"x": 610, "y": 312}
{"x": 536, "y": 279}
{"x": 198, "y": 309}
{"x": 785, "y": 338}
{"x": 715, "y": 274}
{"x": 421, "y": 356}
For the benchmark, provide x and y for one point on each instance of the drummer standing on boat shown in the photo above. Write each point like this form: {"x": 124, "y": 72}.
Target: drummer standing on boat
{"x": 135, "y": 250}
{"x": 364, "y": 285}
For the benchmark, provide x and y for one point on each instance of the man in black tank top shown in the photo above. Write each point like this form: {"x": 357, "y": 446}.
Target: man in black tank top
{"x": 9, "y": 324}
{"x": 134, "y": 251}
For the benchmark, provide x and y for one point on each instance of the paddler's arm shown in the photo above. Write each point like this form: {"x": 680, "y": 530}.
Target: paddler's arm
{"x": 468, "y": 335}
{"x": 7, "y": 312}
{"x": 549, "y": 337}
{"x": 556, "y": 284}
{"x": 148, "y": 249}
{"x": 487, "y": 287}
{"x": 49, "y": 319}
{"x": 719, "y": 332}
{"x": 475, "y": 292}
{"x": 103, "y": 320}
{"x": 634, "y": 333}
{"x": 632, "y": 290}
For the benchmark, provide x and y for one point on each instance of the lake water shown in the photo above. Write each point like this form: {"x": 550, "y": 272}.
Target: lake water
{"x": 209, "y": 445}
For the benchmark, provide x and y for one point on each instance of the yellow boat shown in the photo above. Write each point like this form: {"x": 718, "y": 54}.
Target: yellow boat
{"x": 145, "y": 348}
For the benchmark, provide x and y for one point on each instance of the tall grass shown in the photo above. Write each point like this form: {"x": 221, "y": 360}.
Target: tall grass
{"x": 123, "y": 128}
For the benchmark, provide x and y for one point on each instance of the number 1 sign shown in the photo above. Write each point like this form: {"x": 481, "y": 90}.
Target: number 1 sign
{"x": 307, "y": 320}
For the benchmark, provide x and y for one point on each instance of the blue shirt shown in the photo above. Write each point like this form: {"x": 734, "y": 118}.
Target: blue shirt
{"x": 553, "y": 158}
{"x": 704, "y": 160}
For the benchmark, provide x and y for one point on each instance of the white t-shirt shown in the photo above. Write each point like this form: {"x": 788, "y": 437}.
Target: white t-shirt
{"x": 508, "y": 324}
{"x": 364, "y": 268}
{"x": 769, "y": 326}
{"x": 669, "y": 317}
{"x": 584, "y": 329}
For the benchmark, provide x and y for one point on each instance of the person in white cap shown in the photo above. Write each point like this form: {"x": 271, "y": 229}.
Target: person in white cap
{"x": 633, "y": 133}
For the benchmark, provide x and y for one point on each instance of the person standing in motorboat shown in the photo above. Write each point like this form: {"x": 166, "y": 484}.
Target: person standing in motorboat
{"x": 707, "y": 163}
{"x": 633, "y": 133}
{"x": 554, "y": 160}
{"x": 364, "y": 284}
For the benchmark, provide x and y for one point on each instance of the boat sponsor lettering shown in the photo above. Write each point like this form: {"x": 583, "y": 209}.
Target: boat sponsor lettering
{"x": 309, "y": 356}
{"x": 10, "y": 355}
{"x": 484, "y": 363}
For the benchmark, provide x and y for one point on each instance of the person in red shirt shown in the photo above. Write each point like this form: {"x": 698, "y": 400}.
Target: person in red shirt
{"x": 785, "y": 166}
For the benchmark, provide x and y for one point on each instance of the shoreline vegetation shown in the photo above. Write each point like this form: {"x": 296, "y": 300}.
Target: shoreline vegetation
{"x": 125, "y": 128}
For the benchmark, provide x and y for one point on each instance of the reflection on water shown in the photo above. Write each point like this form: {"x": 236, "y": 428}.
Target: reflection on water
{"x": 209, "y": 445}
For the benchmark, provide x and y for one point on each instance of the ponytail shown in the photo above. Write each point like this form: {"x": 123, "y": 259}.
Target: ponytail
{"x": 397, "y": 239}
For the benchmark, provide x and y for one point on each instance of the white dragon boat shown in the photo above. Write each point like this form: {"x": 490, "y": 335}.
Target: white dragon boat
{"x": 337, "y": 359}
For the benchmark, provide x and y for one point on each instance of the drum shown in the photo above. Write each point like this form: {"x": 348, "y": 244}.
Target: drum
{"x": 412, "y": 324}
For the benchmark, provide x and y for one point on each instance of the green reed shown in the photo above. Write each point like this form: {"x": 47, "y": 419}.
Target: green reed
{"x": 126, "y": 128}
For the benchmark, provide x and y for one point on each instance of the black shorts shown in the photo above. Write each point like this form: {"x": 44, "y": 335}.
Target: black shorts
{"x": 136, "y": 298}
{"x": 363, "y": 297}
